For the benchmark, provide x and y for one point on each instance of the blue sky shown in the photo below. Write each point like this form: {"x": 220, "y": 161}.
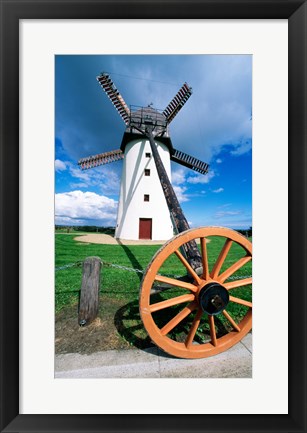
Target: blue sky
{"x": 215, "y": 126}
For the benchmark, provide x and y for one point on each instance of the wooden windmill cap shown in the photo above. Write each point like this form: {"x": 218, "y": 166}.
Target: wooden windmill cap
{"x": 142, "y": 116}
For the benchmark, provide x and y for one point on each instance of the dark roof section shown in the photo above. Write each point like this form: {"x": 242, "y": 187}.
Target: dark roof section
{"x": 129, "y": 136}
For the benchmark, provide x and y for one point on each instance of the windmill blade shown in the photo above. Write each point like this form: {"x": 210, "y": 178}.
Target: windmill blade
{"x": 100, "y": 159}
{"x": 177, "y": 102}
{"x": 189, "y": 161}
{"x": 114, "y": 95}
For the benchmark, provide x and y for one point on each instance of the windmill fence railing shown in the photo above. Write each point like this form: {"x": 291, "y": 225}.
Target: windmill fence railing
{"x": 129, "y": 269}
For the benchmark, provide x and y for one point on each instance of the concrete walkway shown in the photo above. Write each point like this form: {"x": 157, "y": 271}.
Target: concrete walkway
{"x": 154, "y": 363}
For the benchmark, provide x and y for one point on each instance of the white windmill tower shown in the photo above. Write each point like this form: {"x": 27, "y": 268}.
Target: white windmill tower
{"x": 144, "y": 210}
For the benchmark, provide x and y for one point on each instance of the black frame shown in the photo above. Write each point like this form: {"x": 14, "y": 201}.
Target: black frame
{"x": 11, "y": 11}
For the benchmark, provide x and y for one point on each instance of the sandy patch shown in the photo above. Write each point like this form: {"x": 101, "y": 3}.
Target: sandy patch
{"x": 107, "y": 239}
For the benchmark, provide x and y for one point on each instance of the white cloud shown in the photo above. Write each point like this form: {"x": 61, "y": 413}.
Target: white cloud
{"x": 181, "y": 177}
{"x": 225, "y": 205}
{"x": 68, "y": 221}
{"x": 231, "y": 217}
{"x": 59, "y": 165}
{"x": 180, "y": 193}
{"x": 77, "y": 173}
{"x": 78, "y": 185}
{"x": 219, "y": 161}
{"x": 219, "y": 110}
{"x": 222, "y": 214}
{"x": 103, "y": 177}
{"x": 178, "y": 176}
{"x": 83, "y": 206}
{"x": 241, "y": 148}
{"x": 200, "y": 178}
{"x": 108, "y": 181}
{"x": 218, "y": 190}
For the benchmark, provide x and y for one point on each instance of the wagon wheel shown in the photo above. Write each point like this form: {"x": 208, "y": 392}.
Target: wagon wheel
{"x": 199, "y": 315}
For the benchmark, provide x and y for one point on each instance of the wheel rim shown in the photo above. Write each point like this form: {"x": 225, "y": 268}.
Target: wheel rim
{"x": 179, "y": 322}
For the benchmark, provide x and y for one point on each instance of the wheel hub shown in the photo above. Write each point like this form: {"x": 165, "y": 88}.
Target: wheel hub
{"x": 213, "y": 298}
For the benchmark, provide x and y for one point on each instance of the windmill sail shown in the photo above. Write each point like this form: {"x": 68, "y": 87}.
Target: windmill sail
{"x": 114, "y": 95}
{"x": 177, "y": 102}
{"x": 190, "y": 162}
{"x": 100, "y": 159}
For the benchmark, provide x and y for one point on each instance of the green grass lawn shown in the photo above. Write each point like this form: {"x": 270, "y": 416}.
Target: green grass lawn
{"x": 119, "y": 290}
{"x": 115, "y": 282}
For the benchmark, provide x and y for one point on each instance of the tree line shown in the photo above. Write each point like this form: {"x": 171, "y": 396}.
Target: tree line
{"x": 90, "y": 229}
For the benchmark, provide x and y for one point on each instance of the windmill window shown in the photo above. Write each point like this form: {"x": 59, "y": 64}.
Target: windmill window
{"x": 146, "y": 197}
{"x": 147, "y": 154}
{"x": 147, "y": 172}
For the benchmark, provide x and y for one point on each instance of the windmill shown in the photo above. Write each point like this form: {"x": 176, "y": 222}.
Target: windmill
{"x": 148, "y": 207}
{"x": 207, "y": 280}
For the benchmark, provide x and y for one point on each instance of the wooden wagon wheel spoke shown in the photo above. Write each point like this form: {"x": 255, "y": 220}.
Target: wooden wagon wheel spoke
{"x": 174, "y": 320}
{"x": 212, "y": 330}
{"x": 176, "y": 283}
{"x": 188, "y": 266}
{"x": 178, "y": 318}
{"x": 240, "y": 301}
{"x": 194, "y": 327}
{"x": 232, "y": 269}
{"x": 238, "y": 283}
{"x": 204, "y": 255}
{"x": 231, "y": 321}
{"x": 170, "y": 302}
{"x": 221, "y": 258}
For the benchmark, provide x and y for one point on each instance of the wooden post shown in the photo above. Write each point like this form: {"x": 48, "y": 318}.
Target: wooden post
{"x": 89, "y": 299}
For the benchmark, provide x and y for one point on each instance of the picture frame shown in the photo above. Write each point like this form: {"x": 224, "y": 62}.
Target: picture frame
{"x": 11, "y": 12}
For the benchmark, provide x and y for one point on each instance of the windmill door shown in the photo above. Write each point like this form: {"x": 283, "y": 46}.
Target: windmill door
{"x": 145, "y": 228}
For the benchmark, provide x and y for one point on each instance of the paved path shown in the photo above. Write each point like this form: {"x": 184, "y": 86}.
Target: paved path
{"x": 153, "y": 363}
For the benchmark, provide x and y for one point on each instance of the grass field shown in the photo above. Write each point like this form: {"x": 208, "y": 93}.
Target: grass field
{"x": 116, "y": 283}
{"x": 119, "y": 324}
